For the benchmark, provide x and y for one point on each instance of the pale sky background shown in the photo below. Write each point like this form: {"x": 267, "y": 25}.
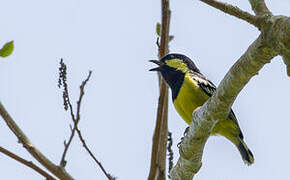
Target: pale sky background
{"x": 116, "y": 39}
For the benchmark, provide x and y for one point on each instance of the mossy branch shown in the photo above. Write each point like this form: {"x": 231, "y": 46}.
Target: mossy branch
{"x": 273, "y": 40}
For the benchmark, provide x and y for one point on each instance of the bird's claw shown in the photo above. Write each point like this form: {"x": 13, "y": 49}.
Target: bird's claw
{"x": 184, "y": 134}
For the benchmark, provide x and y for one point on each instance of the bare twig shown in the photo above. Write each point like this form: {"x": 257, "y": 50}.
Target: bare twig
{"x": 62, "y": 83}
{"x": 109, "y": 176}
{"x": 82, "y": 92}
{"x": 79, "y": 102}
{"x": 259, "y": 7}
{"x": 158, "y": 155}
{"x": 67, "y": 105}
{"x": 23, "y": 139}
{"x": 27, "y": 163}
{"x": 75, "y": 118}
{"x": 234, "y": 11}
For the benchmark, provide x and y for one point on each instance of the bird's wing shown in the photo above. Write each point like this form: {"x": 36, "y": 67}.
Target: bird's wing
{"x": 209, "y": 88}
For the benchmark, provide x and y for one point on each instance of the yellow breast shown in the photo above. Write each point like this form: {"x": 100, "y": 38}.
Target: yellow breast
{"x": 190, "y": 97}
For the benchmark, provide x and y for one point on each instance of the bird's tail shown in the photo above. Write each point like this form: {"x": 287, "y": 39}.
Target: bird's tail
{"x": 245, "y": 152}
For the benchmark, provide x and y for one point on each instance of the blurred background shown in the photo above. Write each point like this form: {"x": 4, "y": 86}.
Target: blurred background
{"x": 115, "y": 39}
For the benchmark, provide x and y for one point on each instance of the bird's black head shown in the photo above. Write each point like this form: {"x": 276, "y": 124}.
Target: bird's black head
{"x": 175, "y": 61}
{"x": 173, "y": 68}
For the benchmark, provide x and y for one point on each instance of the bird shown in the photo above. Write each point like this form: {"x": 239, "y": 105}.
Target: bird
{"x": 190, "y": 89}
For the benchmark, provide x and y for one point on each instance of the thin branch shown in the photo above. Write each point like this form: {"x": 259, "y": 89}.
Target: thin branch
{"x": 158, "y": 155}
{"x": 234, "y": 11}
{"x": 27, "y": 163}
{"x": 259, "y": 7}
{"x": 82, "y": 92}
{"x": 75, "y": 118}
{"x": 109, "y": 176}
{"x": 66, "y": 147}
{"x": 67, "y": 105}
{"x": 23, "y": 139}
{"x": 79, "y": 102}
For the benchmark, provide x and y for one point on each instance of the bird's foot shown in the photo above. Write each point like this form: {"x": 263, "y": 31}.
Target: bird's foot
{"x": 184, "y": 134}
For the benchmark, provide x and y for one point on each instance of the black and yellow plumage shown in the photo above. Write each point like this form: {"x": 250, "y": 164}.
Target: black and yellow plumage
{"x": 190, "y": 89}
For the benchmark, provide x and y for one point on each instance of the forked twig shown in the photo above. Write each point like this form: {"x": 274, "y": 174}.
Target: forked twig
{"x": 76, "y": 117}
{"x": 67, "y": 105}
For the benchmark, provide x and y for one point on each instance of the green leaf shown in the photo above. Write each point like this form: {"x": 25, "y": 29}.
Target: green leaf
{"x": 7, "y": 49}
{"x": 158, "y": 29}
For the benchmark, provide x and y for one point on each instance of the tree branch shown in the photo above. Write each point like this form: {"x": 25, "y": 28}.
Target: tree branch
{"x": 67, "y": 105}
{"x": 287, "y": 62}
{"x": 158, "y": 155}
{"x": 234, "y": 11}
{"x": 273, "y": 41}
{"x": 218, "y": 106}
{"x": 23, "y": 139}
{"x": 27, "y": 163}
{"x": 79, "y": 102}
{"x": 259, "y": 7}
{"x": 283, "y": 44}
{"x": 62, "y": 82}
{"x": 109, "y": 176}
{"x": 79, "y": 132}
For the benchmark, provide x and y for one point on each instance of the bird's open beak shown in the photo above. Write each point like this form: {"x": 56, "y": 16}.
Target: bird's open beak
{"x": 156, "y": 62}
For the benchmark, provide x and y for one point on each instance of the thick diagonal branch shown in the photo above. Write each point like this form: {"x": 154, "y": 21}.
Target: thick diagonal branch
{"x": 273, "y": 41}
{"x": 23, "y": 139}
